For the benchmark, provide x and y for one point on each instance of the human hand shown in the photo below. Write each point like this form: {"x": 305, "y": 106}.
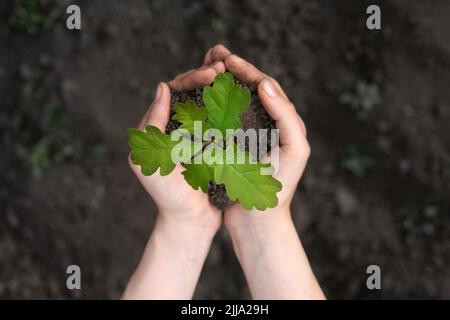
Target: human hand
{"x": 186, "y": 222}
{"x": 294, "y": 149}
{"x": 266, "y": 243}
{"x": 177, "y": 202}
{"x": 172, "y": 261}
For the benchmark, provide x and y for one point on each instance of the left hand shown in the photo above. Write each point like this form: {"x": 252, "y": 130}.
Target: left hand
{"x": 177, "y": 202}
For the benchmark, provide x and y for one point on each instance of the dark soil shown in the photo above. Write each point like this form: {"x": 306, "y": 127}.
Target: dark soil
{"x": 255, "y": 117}
{"x": 376, "y": 105}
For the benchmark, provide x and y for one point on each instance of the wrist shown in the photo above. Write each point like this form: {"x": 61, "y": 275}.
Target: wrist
{"x": 237, "y": 219}
{"x": 260, "y": 232}
{"x": 197, "y": 228}
{"x": 172, "y": 262}
{"x": 272, "y": 257}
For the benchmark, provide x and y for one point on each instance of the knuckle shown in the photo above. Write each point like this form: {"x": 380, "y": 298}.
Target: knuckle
{"x": 289, "y": 107}
{"x": 206, "y": 76}
{"x": 300, "y": 121}
{"x": 172, "y": 83}
{"x": 232, "y": 60}
{"x": 218, "y": 47}
{"x": 219, "y": 67}
{"x": 218, "y": 51}
{"x": 275, "y": 82}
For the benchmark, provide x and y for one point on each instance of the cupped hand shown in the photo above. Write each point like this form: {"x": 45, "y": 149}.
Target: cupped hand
{"x": 177, "y": 202}
{"x": 294, "y": 149}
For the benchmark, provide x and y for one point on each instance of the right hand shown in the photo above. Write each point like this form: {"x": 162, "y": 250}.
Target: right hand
{"x": 294, "y": 149}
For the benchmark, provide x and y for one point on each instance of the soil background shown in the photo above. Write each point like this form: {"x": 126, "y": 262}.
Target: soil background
{"x": 376, "y": 105}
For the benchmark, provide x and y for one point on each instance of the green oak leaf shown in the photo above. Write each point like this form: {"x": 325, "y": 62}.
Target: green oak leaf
{"x": 225, "y": 102}
{"x": 187, "y": 113}
{"x": 198, "y": 175}
{"x": 244, "y": 182}
{"x": 151, "y": 150}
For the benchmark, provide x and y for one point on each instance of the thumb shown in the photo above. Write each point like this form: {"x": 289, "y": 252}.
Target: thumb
{"x": 292, "y": 132}
{"x": 159, "y": 112}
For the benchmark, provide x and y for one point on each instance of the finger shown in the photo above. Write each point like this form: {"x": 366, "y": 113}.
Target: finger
{"x": 217, "y": 53}
{"x": 243, "y": 69}
{"x": 184, "y": 74}
{"x": 196, "y": 78}
{"x": 248, "y": 72}
{"x": 207, "y": 59}
{"x": 292, "y": 133}
{"x": 219, "y": 67}
{"x": 159, "y": 112}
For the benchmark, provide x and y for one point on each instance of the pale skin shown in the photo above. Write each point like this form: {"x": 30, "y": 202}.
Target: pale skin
{"x": 266, "y": 243}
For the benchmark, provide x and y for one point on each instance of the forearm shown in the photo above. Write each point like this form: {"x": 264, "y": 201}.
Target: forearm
{"x": 273, "y": 259}
{"x": 172, "y": 262}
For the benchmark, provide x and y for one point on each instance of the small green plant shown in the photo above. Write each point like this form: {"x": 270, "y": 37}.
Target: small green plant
{"x": 215, "y": 159}
{"x": 363, "y": 100}
{"x": 355, "y": 161}
{"x": 33, "y": 16}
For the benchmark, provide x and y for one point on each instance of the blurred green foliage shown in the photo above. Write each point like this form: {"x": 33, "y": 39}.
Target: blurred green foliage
{"x": 158, "y": 5}
{"x": 43, "y": 139}
{"x": 420, "y": 220}
{"x": 35, "y": 157}
{"x": 363, "y": 99}
{"x": 33, "y": 16}
{"x": 355, "y": 161}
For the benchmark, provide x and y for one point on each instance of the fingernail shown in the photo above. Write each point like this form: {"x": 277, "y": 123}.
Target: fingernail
{"x": 269, "y": 89}
{"x": 158, "y": 92}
